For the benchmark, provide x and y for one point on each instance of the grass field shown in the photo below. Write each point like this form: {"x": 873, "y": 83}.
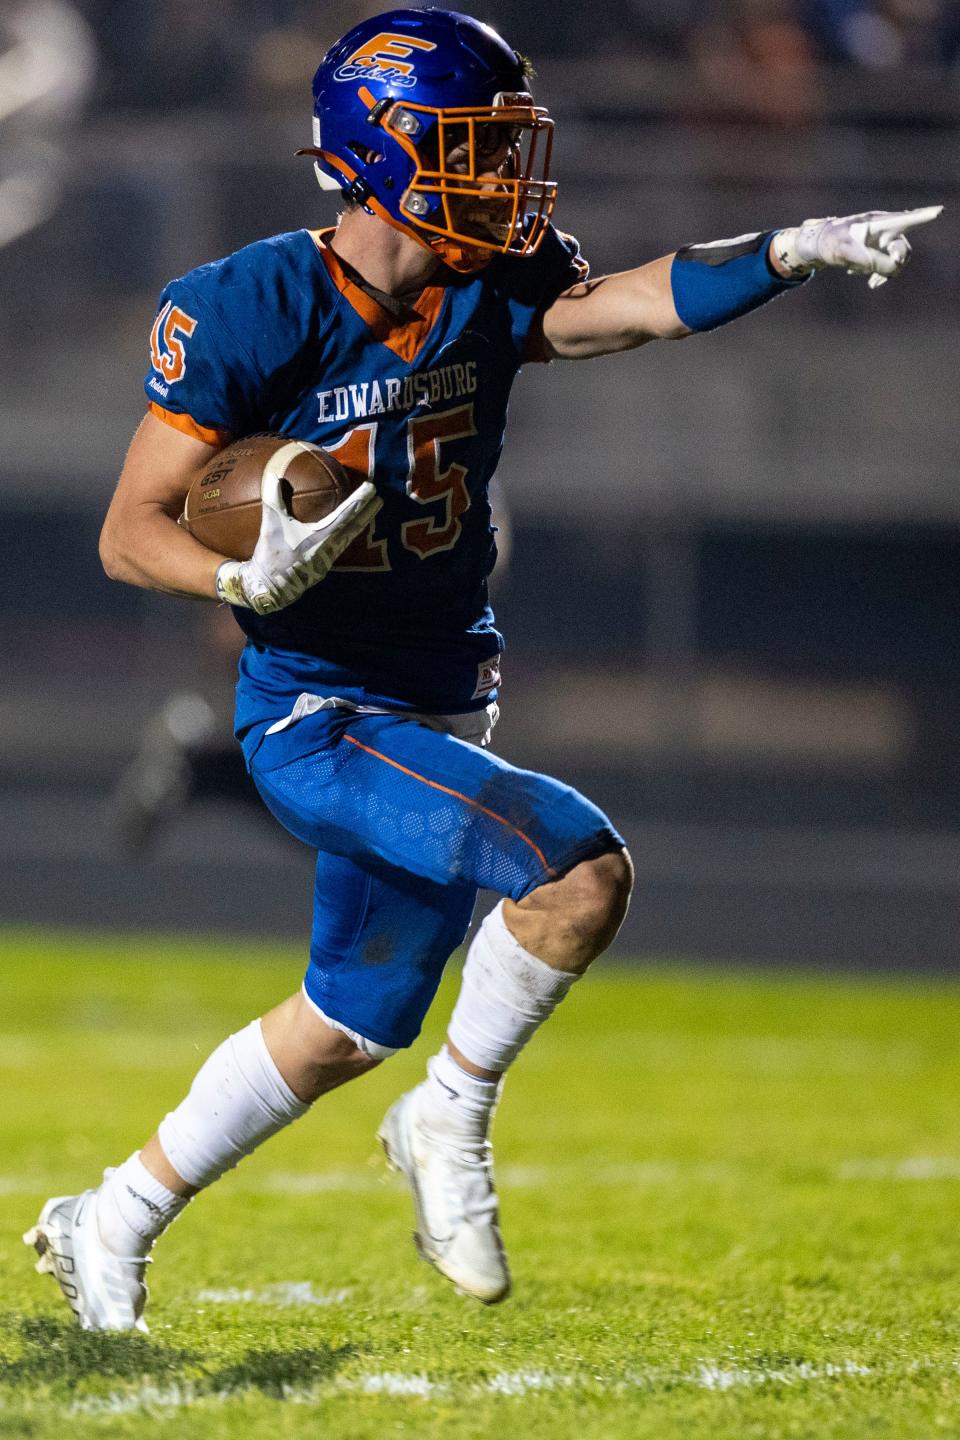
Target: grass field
{"x": 732, "y": 1203}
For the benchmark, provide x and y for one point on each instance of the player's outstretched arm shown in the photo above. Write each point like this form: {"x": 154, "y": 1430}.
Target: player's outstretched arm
{"x": 613, "y": 312}
{"x": 703, "y": 286}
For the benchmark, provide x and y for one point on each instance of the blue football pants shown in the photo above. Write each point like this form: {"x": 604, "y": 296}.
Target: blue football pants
{"x": 409, "y": 823}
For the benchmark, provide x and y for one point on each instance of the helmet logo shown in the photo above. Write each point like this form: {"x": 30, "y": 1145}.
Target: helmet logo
{"x": 384, "y": 58}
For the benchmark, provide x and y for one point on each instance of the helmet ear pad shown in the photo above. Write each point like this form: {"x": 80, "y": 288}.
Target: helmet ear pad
{"x": 399, "y": 158}
{"x": 383, "y": 166}
{"x": 367, "y": 154}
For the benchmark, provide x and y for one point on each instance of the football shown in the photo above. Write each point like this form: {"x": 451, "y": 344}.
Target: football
{"x": 222, "y": 508}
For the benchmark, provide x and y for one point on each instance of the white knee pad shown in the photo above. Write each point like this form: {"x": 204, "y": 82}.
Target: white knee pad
{"x": 368, "y": 1047}
{"x": 238, "y": 1099}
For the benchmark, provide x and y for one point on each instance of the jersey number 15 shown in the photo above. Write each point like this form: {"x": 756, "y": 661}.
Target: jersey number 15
{"x": 427, "y": 483}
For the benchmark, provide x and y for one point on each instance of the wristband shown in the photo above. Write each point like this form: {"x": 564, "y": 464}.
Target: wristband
{"x": 798, "y": 249}
{"x": 229, "y": 584}
{"x": 724, "y": 279}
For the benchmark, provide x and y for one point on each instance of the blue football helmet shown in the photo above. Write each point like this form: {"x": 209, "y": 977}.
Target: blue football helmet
{"x": 424, "y": 118}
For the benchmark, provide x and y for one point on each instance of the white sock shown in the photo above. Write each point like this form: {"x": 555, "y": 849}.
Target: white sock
{"x": 237, "y": 1100}
{"x": 133, "y": 1208}
{"x": 454, "y": 1102}
{"x": 505, "y": 995}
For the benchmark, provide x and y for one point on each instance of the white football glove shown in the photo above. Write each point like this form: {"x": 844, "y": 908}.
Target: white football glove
{"x": 291, "y": 555}
{"x": 873, "y": 243}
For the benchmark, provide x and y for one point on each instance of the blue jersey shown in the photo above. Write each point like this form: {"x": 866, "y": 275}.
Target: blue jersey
{"x": 280, "y": 337}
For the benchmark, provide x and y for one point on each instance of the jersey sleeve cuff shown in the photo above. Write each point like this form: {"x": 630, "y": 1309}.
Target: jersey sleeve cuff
{"x": 188, "y": 426}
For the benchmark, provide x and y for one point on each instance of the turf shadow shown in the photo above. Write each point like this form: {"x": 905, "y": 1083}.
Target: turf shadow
{"x": 17, "y": 1427}
{"x": 277, "y": 1372}
{"x": 58, "y": 1351}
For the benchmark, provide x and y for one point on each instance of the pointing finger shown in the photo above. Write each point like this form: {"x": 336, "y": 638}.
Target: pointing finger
{"x": 897, "y": 222}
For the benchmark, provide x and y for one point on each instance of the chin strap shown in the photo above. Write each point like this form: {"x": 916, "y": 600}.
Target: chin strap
{"x": 464, "y": 259}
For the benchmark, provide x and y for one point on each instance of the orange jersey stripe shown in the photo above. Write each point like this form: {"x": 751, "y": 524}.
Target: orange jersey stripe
{"x": 188, "y": 426}
{"x": 434, "y": 785}
{"x": 405, "y": 339}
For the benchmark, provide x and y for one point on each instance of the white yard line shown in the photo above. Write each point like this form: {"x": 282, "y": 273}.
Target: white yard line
{"x": 509, "y": 1177}
{"x": 912, "y": 1167}
{"x": 394, "y": 1383}
{"x": 514, "y": 1384}
{"x": 287, "y": 1292}
{"x": 639, "y": 1173}
{"x": 143, "y": 1397}
{"x": 23, "y": 1185}
{"x": 320, "y": 1183}
{"x": 523, "y": 1382}
{"x": 19, "y": 1052}
{"x": 724, "y": 1377}
{"x": 540, "y": 1177}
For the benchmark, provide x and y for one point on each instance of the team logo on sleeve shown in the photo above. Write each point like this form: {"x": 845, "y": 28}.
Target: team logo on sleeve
{"x": 166, "y": 346}
{"x": 384, "y": 58}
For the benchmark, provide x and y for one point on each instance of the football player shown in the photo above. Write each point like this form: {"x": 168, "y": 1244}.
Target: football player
{"x": 369, "y": 681}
